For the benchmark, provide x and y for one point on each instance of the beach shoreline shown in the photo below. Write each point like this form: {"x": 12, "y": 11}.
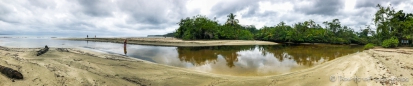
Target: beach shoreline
{"x": 169, "y": 41}
{"x": 84, "y": 67}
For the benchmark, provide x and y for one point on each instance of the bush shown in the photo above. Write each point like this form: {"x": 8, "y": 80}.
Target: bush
{"x": 363, "y": 41}
{"x": 245, "y": 35}
{"x": 368, "y": 46}
{"x": 374, "y": 41}
{"x": 390, "y": 43}
{"x": 335, "y": 40}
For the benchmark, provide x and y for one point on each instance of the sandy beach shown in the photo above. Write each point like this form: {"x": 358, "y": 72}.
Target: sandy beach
{"x": 169, "y": 41}
{"x": 75, "y": 67}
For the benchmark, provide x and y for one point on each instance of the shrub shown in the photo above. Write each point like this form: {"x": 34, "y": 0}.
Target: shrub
{"x": 374, "y": 41}
{"x": 390, "y": 43}
{"x": 335, "y": 40}
{"x": 245, "y": 35}
{"x": 368, "y": 46}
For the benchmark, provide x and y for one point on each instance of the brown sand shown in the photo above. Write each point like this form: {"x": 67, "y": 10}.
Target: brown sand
{"x": 161, "y": 41}
{"x": 82, "y": 67}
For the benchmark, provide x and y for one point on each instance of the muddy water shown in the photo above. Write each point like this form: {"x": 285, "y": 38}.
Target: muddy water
{"x": 261, "y": 60}
{"x": 228, "y": 60}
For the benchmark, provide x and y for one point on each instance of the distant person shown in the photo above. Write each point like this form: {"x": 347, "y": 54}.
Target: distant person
{"x": 95, "y": 36}
{"x": 87, "y": 36}
{"x": 124, "y": 46}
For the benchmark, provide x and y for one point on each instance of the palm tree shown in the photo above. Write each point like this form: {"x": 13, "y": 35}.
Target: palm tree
{"x": 231, "y": 20}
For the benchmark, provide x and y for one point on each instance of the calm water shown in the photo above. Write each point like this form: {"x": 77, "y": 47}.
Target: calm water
{"x": 228, "y": 60}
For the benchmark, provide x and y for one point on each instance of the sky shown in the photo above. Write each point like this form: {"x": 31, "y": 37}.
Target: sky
{"x": 139, "y": 18}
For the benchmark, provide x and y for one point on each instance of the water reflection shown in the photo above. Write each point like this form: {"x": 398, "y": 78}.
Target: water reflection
{"x": 261, "y": 60}
{"x": 124, "y": 46}
{"x": 201, "y": 55}
{"x": 229, "y": 60}
{"x": 302, "y": 54}
{"x": 310, "y": 54}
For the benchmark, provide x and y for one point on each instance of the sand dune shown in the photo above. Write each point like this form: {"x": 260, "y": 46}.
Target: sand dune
{"x": 76, "y": 67}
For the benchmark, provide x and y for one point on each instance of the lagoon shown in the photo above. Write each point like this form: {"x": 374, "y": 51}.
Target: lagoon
{"x": 251, "y": 60}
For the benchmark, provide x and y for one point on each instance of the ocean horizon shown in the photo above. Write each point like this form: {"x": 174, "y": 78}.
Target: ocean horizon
{"x": 62, "y": 36}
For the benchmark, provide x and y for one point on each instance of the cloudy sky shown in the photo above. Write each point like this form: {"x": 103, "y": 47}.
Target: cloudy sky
{"x": 146, "y": 17}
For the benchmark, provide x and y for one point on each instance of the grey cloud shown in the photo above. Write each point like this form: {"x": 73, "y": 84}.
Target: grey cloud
{"x": 43, "y": 4}
{"x": 253, "y": 12}
{"x": 154, "y": 12}
{"x": 321, "y": 7}
{"x": 8, "y": 20}
{"x": 145, "y": 27}
{"x": 5, "y": 12}
{"x": 232, "y": 6}
{"x": 76, "y": 26}
{"x": 96, "y": 8}
{"x": 373, "y": 3}
{"x": 106, "y": 16}
{"x": 3, "y": 9}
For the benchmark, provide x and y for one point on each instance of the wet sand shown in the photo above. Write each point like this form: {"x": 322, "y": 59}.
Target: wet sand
{"x": 168, "y": 41}
{"x": 76, "y": 67}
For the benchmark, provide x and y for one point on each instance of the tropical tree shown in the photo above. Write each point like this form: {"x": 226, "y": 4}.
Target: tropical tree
{"x": 392, "y": 24}
{"x": 198, "y": 27}
{"x": 333, "y": 26}
{"x": 231, "y": 19}
{"x": 234, "y": 23}
{"x": 388, "y": 22}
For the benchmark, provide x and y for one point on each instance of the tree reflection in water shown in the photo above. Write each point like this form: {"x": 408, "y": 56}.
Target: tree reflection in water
{"x": 306, "y": 55}
{"x": 209, "y": 54}
{"x": 310, "y": 54}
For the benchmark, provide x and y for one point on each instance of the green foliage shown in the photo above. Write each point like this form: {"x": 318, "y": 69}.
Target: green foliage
{"x": 246, "y": 35}
{"x": 369, "y": 46}
{"x": 335, "y": 40}
{"x": 390, "y": 25}
{"x": 310, "y": 32}
{"x": 361, "y": 41}
{"x": 251, "y": 28}
{"x": 200, "y": 27}
{"x": 390, "y": 43}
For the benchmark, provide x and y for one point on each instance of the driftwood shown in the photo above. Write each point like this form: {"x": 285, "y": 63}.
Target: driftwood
{"x": 42, "y": 51}
{"x": 10, "y": 72}
{"x": 62, "y": 50}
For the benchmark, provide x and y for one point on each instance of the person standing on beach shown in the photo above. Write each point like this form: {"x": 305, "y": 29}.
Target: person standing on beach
{"x": 124, "y": 46}
{"x": 87, "y": 36}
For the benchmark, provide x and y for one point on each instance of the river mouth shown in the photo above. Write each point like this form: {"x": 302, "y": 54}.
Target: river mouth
{"x": 249, "y": 60}
{"x": 261, "y": 60}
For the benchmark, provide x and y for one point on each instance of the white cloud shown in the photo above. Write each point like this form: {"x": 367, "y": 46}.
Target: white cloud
{"x": 142, "y": 17}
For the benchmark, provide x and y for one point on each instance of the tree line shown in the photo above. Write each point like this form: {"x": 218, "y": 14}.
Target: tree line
{"x": 200, "y": 27}
{"x": 391, "y": 27}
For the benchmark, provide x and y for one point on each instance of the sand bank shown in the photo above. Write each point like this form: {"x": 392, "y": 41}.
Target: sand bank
{"x": 76, "y": 67}
{"x": 174, "y": 42}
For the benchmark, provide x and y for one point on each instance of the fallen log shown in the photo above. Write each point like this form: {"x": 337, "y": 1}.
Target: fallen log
{"x": 10, "y": 72}
{"x": 62, "y": 50}
{"x": 42, "y": 51}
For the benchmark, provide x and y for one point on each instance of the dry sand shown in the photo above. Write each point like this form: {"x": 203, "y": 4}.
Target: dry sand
{"x": 161, "y": 41}
{"x": 82, "y": 67}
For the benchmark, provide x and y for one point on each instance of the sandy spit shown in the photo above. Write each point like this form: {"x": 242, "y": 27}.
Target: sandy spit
{"x": 76, "y": 67}
{"x": 161, "y": 41}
